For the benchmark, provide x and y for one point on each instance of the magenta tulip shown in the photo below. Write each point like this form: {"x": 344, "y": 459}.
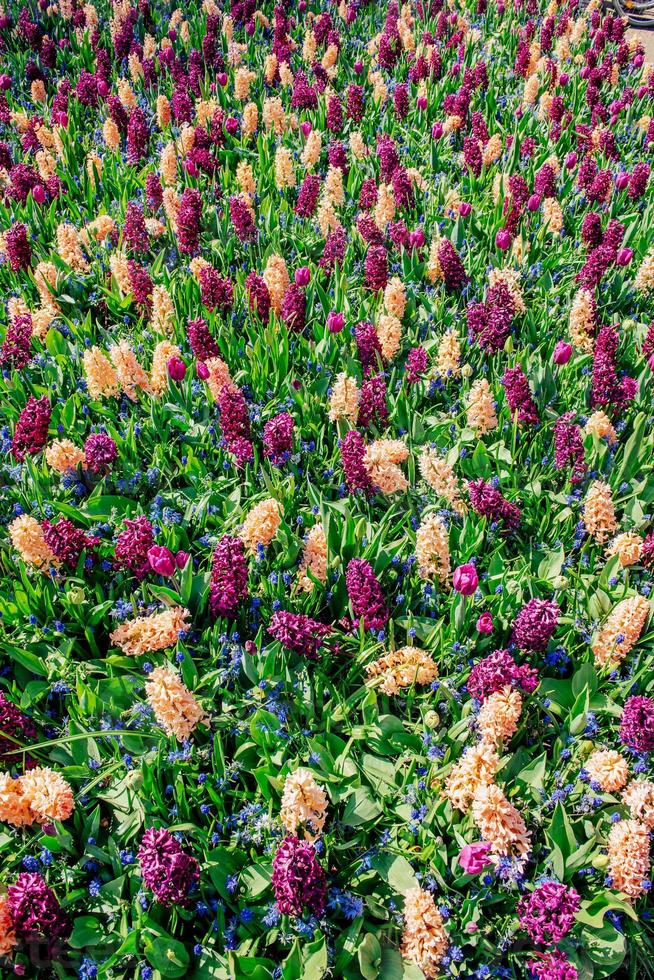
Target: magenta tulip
{"x": 473, "y": 858}
{"x": 503, "y": 239}
{"x": 161, "y": 560}
{"x": 176, "y": 369}
{"x": 562, "y": 352}
{"x": 302, "y": 276}
{"x": 335, "y": 322}
{"x": 485, "y": 624}
{"x": 465, "y": 579}
{"x": 624, "y": 256}
{"x": 465, "y": 208}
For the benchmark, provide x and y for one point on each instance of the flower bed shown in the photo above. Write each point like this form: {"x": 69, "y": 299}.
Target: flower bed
{"x": 326, "y": 491}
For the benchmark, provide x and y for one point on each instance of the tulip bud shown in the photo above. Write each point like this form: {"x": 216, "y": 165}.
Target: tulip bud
{"x": 564, "y": 79}
{"x": 103, "y": 89}
{"x": 221, "y": 78}
{"x": 38, "y": 193}
{"x": 570, "y": 160}
{"x": 422, "y": 102}
{"x": 485, "y": 624}
{"x": 624, "y": 256}
{"x": 622, "y": 181}
{"x": 465, "y": 579}
{"x": 503, "y": 239}
{"x": 358, "y": 67}
{"x": 231, "y": 126}
{"x": 465, "y": 209}
{"x": 335, "y": 322}
{"x": 562, "y": 352}
{"x": 176, "y": 369}
{"x": 191, "y": 168}
{"x": 302, "y": 276}
{"x": 534, "y": 202}
{"x": 202, "y": 371}
{"x": 417, "y": 238}
{"x": 306, "y": 128}
{"x": 437, "y": 131}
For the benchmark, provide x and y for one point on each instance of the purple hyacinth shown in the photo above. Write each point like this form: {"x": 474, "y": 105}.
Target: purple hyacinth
{"x": 100, "y": 451}
{"x": 35, "y": 911}
{"x": 489, "y": 323}
{"x": 454, "y": 274}
{"x": 229, "y": 577}
{"x": 188, "y": 221}
{"x": 167, "y": 870}
{"x": 518, "y": 395}
{"x": 278, "y": 438}
{"x": 352, "y": 449}
{"x": 31, "y": 432}
{"x": 372, "y": 404}
{"x": 416, "y": 365}
{"x": 535, "y": 624}
{"x": 637, "y": 724}
{"x": 569, "y": 446}
{"x": 135, "y": 234}
{"x": 607, "y": 389}
{"x": 66, "y": 541}
{"x": 334, "y": 251}
{"x": 234, "y": 419}
{"x": 368, "y": 346}
{"x": 307, "y": 199}
{"x": 200, "y": 340}
{"x": 132, "y": 546}
{"x": 298, "y": 879}
{"x": 376, "y": 267}
{"x": 489, "y": 502}
{"x": 15, "y": 724}
{"x": 17, "y": 247}
{"x": 140, "y": 283}
{"x": 242, "y": 220}
{"x": 298, "y": 633}
{"x": 366, "y": 595}
{"x": 138, "y": 135}
{"x": 294, "y": 305}
{"x": 499, "y": 670}
{"x": 258, "y": 296}
{"x": 217, "y": 291}
{"x": 548, "y": 914}
{"x": 16, "y": 349}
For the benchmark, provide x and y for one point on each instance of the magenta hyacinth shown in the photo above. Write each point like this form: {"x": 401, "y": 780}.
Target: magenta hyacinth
{"x": 607, "y": 389}
{"x": 17, "y": 247}
{"x": 637, "y": 723}
{"x": 298, "y": 632}
{"x": 368, "y": 346}
{"x": 548, "y": 914}
{"x": 135, "y": 234}
{"x": 376, "y": 267}
{"x": 499, "y": 670}
{"x": 100, "y": 451}
{"x": 66, "y": 541}
{"x": 188, "y": 221}
{"x": 259, "y": 296}
{"x": 132, "y": 546}
{"x": 569, "y": 446}
{"x": 373, "y": 409}
{"x": 554, "y": 965}
{"x": 294, "y": 306}
{"x": 454, "y": 273}
{"x": 244, "y": 226}
{"x": 535, "y": 624}
{"x": 365, "y": 594}
{"x": 217, "y": 292}
{"x": 229, "y": 577}
{"x": 298, "y": 879}
{"x": 31, "y": 432}
{"x": 416, "y": 365}
{"x": 167, "y": 870}
{"x": 201, "y": 340}
{"x": 35, "y": 911}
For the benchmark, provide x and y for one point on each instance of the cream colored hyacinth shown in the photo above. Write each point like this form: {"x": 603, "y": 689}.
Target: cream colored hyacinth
{"x": 381, "y": 460}
{"x": 304, "y": 805}
{"x": 477, "y": 767}
{"x": 629, "y": 860}
{"x": 261, "y": 524}
{"x": 175, "y": 708}
{"x": 439, "y": 474}
{"x": 314, "y": 559}
{"x": 145, "y": 634}
{"x": 424, "y": 941}
{"x": 499, "y": 715}
{"x": 499, "y": 822}
{"x": 599, "y": 512}
{"x": 432, "y": 549}
{"x": 403, "y": 668}
{"x": 621, "y": 630}
{"x": 608, "y": 769}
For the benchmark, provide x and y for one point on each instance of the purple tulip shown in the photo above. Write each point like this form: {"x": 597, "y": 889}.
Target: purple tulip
{"x": 622, "y": 181}
{"x": 534, "y": 202}
{"x": 176, "y": 369}
{"x": 335, "y": 322}
{"x": 161, "y": 560}
{"x": 465, "y": 579}
{"x": 302, "y": 276}
{"x": 358, "y": 67}
{"x": 202, "y": 371}
{"x": 181, "y": 559}
{"x": 570, "y": 160}
{"x": 638, "y": 61}
{"x": 565, "y": 78}
{"x": 222, "y": 79}
{"x": 231, "y": 125}
{"x": 465, "y": 208}
{"x": 503, "y": 239}
{"x": 642, "y": 91}
{"x": 5, "y": 82}
{"x": 562, "y": 352}
{"x": 437, "y": 131}
{"x": 306, "y": 128}
{"x": 191, "y": 168}
{"x": 417, "y": 238}
{"x": 38, "y": 193}
{"x": 422, "y": 102}
{"x": 624, "y": 256}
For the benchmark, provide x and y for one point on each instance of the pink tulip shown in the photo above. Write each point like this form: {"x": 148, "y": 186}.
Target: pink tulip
{"x": 465, "y": 208}
{"x": 176, "y": 369}
{"x": 221, "y": 78}
{"x": 562, "y": 352}
{"x": 181, "y": 558}
{"x": 565, "y": 78}
{"x": 231, "y": 126}
{"x": 302, "y": 276}
{"x": 422, "y": 102}
{"x": 622, "y": 181}
{"x": 306, "y": 128}
{"x": 534, "y": 202}
{"x": 161, "y": 560}
{"x": 642, "y": 91}
{"x": 638, "y": 61}
{"x": 335, "y": 322}
{"x": 485, "y": 624}
{"x": 473, "y": 858}
{"x": 570, "y": 160}
{"x": 437, "y": 131}
{"x": 465, "y": 579}
{"x": 358, "y": 67}
{"x": 191, "y": 168}
{"x": 202, "y": 371}
{"x": 624, "y": 256}
{"x": 416, "y": 238}
{"x": 62, "y": 119}
{"x": 103, "y": 89}
{"x": 38, "y": 193}
{"x": 585, "y": 72}
{"x": 503, "y": 239}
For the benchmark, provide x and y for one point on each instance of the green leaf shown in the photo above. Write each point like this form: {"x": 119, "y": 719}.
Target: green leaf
{"x": 369, "y": 956}
{"x": 168, "y": 956}
{"x": 360, "y": 808}
{"x": 87, "y": 931}
{"x": 396, "y": 870}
